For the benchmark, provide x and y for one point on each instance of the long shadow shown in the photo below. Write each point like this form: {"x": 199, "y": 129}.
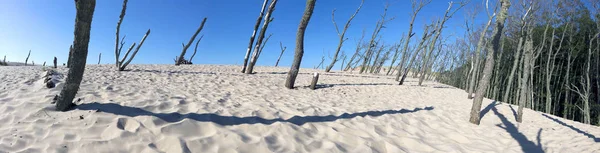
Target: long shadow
{"x": 231, "y": 120}
{"x": 573, "y": 128}
{"x": 513, "y": 111}
{"x": 319, "y": 86}
{"x": 172, "y": 72}
{"x": 487, "y": 109}
{"x": 333, "y": 74}
{"x": 526, "y": 145}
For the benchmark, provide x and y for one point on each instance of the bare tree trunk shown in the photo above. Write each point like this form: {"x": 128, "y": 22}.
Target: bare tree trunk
{"x": 516, "y": 62}
{"x": 26, "y": 59}
{"x": 55, "y": 66}
{"x": 196, "y": 48}
{"x": 356, "y": 52}
{"x": 181, "y": 58}
{"x": 528, "y": 50}
{"x": 83, "y": 22}
{"x": 373, "y": 43}
{"x": 477, "y": 57}
{"x": 416, "y": 8}
{"x": 99, "y": 58}
{"x": 308, "y": 11}
{"x": 282, "y": 50}
{"x": 493, "y": 47}
{"x": 341, "y": 35}
{"x": 424, "y": 39}
{"x": 260, "y": 18}
{"x": 122, "y": 68}
{"x": 261, "y": 36}
{"x": 395, "y": 57}
{"x": 117, "y": 48}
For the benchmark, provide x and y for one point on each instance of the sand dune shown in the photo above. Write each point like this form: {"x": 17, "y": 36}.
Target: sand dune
{"x": 214, "y": 108}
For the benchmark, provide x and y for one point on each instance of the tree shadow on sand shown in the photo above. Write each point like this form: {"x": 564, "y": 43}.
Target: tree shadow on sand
{"x": 526, "y": 145}
{"x": 572, "y": 128}
{"x": 172, "y": 72}
{"x": 319, "y": 86}
{"x": 232, "y": 120}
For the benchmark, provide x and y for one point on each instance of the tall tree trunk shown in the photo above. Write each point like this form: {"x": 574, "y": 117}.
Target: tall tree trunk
{"x": 513, "y": 70}
{"x": 99, "y": 58}
{"x": 416, "y": 8}
{"x": 478, "y": 58}
{"x": 299, "y": 52}
{"x": 83, "y": 22}
{"x": 117, "y": 48}
{"x": 261, "y": 36}
{"x": 260, "y": 17}
{"x": 493, "y": 48}
{"x": 528, "y": 51}
{"x": 341, "y": 35}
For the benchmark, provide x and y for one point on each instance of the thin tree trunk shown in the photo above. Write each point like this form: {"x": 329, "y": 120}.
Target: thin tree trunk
{"x": 196, "y": 48}
{"x": 478, "y": 58}
{"x": 528, "y": 51}
{"x": 83, "y": 22}
{"x": 26, "y": 59}
{"x": 261, "y": 36}
{"x": 341, "y": 35}
{"x": 493, "y": 48}
{"x": 117, "y": 48}
{"x": 416, "y": 8}
{"x": 282, "y": 50}
{"x": 99, "y": 58}
{"x": 260, "y": 17}
{"x": 299, "y": 52}
{"x": 135, "y": 52}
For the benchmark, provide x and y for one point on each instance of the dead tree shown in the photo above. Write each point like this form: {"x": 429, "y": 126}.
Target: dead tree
{"x": 416, "y": 8}
{"x": 439, "y": 27}
{"x": 123, "y": 64}
{"x": 196, "y": 48}
{"x": 492, "y": 48}
{"x": 299, "y": 51}
{"x": 282, "y": 50}
{"x": 117, "y": 44}
{"x": 44, "y": 65}
{"x": 517, "y": 57}
{"x": 181, "y": 58}
{"x": 356, "y": 52}
{"x": 249, "y": 49}
{"x": 480, "y": 44}
{"x": 373, "y": 43}
{"x": 99, "y": 58}
{"x": 261, "y": 36}
{"x": 341, "y": 35}
{"x": 70, "y": 55}
{"x": 26, "y": 59}
{"x": 424, "y": 39}
{"x": 550, "y": 66}
{"x": 395, "y": 56}
{"x": 83, "y": 22}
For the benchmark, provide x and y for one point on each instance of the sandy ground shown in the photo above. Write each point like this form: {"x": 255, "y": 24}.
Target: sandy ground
{"x": 214, "y": 108}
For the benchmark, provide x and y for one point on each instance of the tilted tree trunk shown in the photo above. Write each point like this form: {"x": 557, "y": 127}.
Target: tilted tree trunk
{"x": 356, "y": 52}
{"x": 395, "y": 57}
{"x": 26, "y": 59}
{"x": 281, "y": 54}
{"x": 492, "y": 48}
{"x": 83, "y": 22}
{"x": 416, "y": 8}
{"x": 477, "y": 57}
{"x": 249, "y": 49}
{"x": 426, "y": 36}
{"x": 515, "y": 65}
{"x": 341, "y": 35}
{"x": 299, "y": 52}
{"x": 99, "y": 58}
{"x": 261, "y": 36}
{"x": 196, "y": 48}
{"x": 124, "y": 65}
{"x": 181, "y": 58}
{"x": 373, "y": 43}
{"x": 550, "y": 65}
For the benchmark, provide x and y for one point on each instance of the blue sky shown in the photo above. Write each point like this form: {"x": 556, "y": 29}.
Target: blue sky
{"x": 46, "y": 28}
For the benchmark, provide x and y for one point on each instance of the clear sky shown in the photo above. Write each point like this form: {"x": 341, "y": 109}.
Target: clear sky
{"x": 46, "y": 28}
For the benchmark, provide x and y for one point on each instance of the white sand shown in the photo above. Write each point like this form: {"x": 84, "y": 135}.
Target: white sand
{"x": 210, "y": 108}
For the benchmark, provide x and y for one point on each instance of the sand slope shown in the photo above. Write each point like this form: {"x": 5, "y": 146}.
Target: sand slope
{"x": 214, "y": 108}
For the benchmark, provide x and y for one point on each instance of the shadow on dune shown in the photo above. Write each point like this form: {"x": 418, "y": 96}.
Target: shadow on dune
{"x": 171, "y": 72}
{"x": 332, "y": 74}
{"x": 572, "y": 128}
{"x": 526, "y": 145}
{"x": 487, "y": 109}
{"x": 231, "y": 120}
{"x": 319, "y": 86}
